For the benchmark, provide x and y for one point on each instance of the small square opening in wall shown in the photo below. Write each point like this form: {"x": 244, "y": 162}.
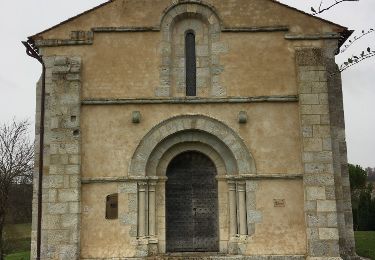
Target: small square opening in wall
{"x": 111, "y": 211}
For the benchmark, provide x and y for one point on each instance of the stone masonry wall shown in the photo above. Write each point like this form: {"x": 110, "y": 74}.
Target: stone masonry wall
{"x": 61, "y": 173}
{"x": 320, "y": 198}
{"x": 337, "y": 123}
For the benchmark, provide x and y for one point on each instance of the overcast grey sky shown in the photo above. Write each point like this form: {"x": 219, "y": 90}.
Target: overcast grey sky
{"x": 18, "y": 72}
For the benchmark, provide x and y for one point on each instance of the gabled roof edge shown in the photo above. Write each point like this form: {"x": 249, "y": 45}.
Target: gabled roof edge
{"x": 345, "y": 33}
{"x": 70, "y": 19}
{"x": 313, "y": 16}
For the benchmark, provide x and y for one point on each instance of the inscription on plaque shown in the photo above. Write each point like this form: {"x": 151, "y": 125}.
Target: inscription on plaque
{"x": 279, "y": 203}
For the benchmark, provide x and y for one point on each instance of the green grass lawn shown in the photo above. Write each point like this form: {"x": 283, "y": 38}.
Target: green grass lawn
{"x": 365, "y": 243}
{"x": 17, "y": 241}
{"x": 18, "y": 246}
{"x": 17, "y": 231}
{"x": 19, "y": 256}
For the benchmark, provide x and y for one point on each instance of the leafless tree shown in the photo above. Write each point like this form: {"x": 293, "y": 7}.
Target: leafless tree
{"x": 16, "y": 163}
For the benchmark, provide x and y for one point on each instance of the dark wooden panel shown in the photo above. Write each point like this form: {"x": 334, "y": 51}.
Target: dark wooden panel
{"x": 191, "y": 204}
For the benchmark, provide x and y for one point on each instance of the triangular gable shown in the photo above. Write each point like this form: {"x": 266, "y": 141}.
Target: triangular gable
{"x": 154, "y": 18}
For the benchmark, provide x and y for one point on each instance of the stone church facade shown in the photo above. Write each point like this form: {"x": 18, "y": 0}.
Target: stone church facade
{"x": 211, "y": 127}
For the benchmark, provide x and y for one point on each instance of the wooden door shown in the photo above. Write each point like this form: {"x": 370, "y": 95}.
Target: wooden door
{"x": 191, "y": 204}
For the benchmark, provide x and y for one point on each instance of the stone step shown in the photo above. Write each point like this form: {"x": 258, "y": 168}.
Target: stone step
{"x": 218, "y": 256}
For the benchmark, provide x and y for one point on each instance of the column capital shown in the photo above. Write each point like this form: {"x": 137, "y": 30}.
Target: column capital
{"x": 231, "y": 185}
{"x": 241, "y": 186}
{"x": 142, "y": 185}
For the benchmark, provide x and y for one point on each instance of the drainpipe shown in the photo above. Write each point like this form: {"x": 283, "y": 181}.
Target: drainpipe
{"x": 32, "y": 51}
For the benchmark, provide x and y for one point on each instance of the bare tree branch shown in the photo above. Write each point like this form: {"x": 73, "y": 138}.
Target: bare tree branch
{"x": 321, "y": 10}
{"x": 355, "y": 39}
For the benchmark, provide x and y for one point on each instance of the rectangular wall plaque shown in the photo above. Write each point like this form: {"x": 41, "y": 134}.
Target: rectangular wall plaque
{"x": 279, "y": 203}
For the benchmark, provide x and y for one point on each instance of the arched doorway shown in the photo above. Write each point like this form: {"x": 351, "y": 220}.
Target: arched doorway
{"x": 191, "y": 204}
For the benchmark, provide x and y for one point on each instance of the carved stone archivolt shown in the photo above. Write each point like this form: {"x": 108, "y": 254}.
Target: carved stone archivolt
{"x": 231, "y": 158}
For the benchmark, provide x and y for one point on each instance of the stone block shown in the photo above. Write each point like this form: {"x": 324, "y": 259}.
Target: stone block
{"x": 309, "y": 99}
{"x": 202, "y": 50}
{"x": 217, "y": 70}
{"x": 73, "y": 77}
{"x": 318, "y": 167}
{"x": 307, "y": 57}
{"x": 315, "y": 193}
{"x": 319, "y": 248}
{"x": 305, "y": 87}
{"x": 308, "y": 76}
{"x": 55, "y": 181}
{"x": 191, "y": 8}
{"x": 72, "y": 169}
{"x": 72, "y": 148}
{"x": 310, "y": 120}
{"x": 316, "y": 220}
{"x": 326, "y": 206}
{"x": 218, "y": 91}
{"x": 314, "y": 109}
{"x": 327, "y": 144}
{"x": 162, "y": 91}
{"x": 56, "y": 169}
{"x": 332, "y": 219}
{"x": 74, "y": 181}
{"x": 330, "y": 192}
{"x": 59, "y": 61}
{"x": 67, "y": 195}
{"x": 254, "y": 216}
{"x": 51, "y": 222}
{"x": 58, "y": 208}
{"x": 325, "y": 156}
{"x": 322, "y": 131}
{"x": 312, "y": 144}
{"x": 323, "y": 99}
{"x": 328, "y": 233}
{"x": 68, "y": 252}
{"x": 251, "y": 186}
{"x": 319, "y": 87}
{"x": 128, "y": 187}
{"x": 318, "y": 179}
{"x": 74, "y": 159}
{"x": 133, "y": 232}
{"x": 57, "y": 237}
{"x": 129, "y": 218}
{"x": 324, "y": 120}
{"x": 310, "y": 206}
{"x": 307, "y": 131}
{"x": 219, "y": 48}
{"x": 74, "y": 207}
{"x": 312, "y": 233}
{"x": 69, "y": 221}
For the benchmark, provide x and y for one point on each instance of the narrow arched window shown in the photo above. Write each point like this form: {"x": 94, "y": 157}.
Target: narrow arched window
{"x": 191, "y": 71}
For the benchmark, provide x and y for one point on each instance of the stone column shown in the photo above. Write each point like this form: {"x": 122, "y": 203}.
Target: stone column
{"x": 241, "y": 187}
{"x": 232, "y": 208}
{"x": 142, "y": 209}
{"x": 151, "y": 209}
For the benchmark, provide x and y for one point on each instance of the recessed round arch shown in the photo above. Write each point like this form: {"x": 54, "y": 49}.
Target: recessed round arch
{"x": 191, "y": 141}
{"x": 190, "y": 7}
{"x": 192, "y": 128}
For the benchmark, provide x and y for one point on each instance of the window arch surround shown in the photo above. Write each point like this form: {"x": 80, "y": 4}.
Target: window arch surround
{"x": 208, "y": 75}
